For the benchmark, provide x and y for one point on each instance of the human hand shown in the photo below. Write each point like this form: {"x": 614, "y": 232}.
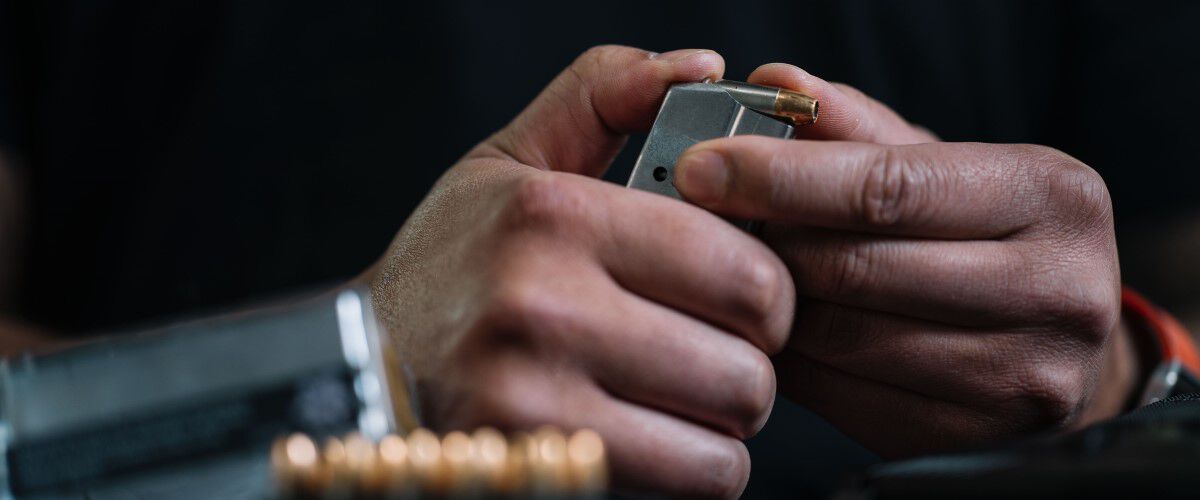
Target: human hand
{"x": 950, "y": 294}
{"x": 524, "y": 291}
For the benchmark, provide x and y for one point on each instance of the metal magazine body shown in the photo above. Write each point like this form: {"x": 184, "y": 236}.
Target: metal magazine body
{"x": 692, "y": 113}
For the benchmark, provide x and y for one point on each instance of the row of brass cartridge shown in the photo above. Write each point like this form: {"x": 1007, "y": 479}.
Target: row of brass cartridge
{"x": 484, "y": 464}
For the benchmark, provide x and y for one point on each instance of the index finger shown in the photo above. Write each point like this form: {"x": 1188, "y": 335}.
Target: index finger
{"x": 936, "y": 190}
{"x": 846, "y": 113}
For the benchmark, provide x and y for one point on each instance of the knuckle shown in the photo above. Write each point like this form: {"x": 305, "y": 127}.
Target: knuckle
{"x": 1088, "y": 309}
{"x": 781, "y": 166}
{"x": 544, "y": 201}
{"x": 837, "y": 331}
{"x": 890, "y": 189}
{"x": 766, "y": 299}
{"x": 1050, "y": 395}
{"x": 725, "y": 473}
{"x": 507, "y": 402}
{"x": 495, "y": 405}
{"x": 899, "y": 187}
{"x": 754, "y": 403}
{"x": 523, "y": 309}
{"x": 1075, "y": 188}
{"x": 1097, "y": 310}
{"x": 467, "y": 405}
{"x": 846, "y": 271}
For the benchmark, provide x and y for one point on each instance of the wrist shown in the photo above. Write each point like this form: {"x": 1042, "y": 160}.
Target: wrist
{"x": 392, "y": 358}
{"x": 1122, "y": 372}
{"x": 1176, "y": 359}
{"x": 1150, "y": 356}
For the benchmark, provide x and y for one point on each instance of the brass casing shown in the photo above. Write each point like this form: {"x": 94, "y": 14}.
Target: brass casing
{"x": 798, "y": 108}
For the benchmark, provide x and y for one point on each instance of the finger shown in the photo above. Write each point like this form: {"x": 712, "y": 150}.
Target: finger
{"x": 846, "y": 113}
{"x": 966, "y": 283}
{"x": 961, "y": 365}
{"x": 685, "y": 258}
{"x": 631, "y": 346}
{"x": 978, "y": 283}
{"x": 635, "y": 350}
{"x": 580, "y": 121}
{"x": 651, "y": 451}
{"x": 884, "y": 417}
{"x": 1031, "y": 378}
{"x": 937, "y": 190}
{"x": 648, "y": 451}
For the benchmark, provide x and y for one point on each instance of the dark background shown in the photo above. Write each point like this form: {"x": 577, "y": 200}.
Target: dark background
{"x": 189, "y": 156}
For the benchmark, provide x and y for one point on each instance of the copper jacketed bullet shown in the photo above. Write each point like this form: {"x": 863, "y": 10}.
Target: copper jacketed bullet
{"x": 796, "y": 108}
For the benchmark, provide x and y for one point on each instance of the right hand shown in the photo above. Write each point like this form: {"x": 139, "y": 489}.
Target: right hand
{"x": 524, "y": 291}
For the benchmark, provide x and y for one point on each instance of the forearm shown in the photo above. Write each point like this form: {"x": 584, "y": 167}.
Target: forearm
{"x": 11, "y": 222}
{"x": 15, "y": 337}
{"x": 1136, "y": 351}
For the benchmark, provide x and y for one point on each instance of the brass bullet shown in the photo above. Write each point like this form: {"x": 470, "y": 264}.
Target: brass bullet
{"x": 425, "y": 460}
{"x": 587, "y": 462}
{"x": 548, "y": 471}
{"x": 795, "y": 107}
{"x": 482, "y": 465}
{"x": 491, "y": 458}
{"x": 458, "y": 458}
{"x": 521, "y": 453}
{"x": 336, "y": 478}
{"x": 361, "y": 463}
{"x": 295, "y": 463}
{"x": 281, "y": 469}
{"x": 393, "y": 466}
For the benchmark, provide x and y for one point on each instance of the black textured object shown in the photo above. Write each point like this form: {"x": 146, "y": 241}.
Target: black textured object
{"x": 1152, "y": 452}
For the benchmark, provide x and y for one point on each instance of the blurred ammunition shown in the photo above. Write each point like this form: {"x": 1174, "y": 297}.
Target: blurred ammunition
{"x": 585, "y": 457}
{"x": 458, "y": 459}
{"x": 548, "y": 465}
{"x": 425, "y": 461}
{"x": 295, "y": 461}
{"x": 362, "y": 467}
{"x": 394, "y": 469}
{"x": 491, "y": 459}
{"x": 484, "y": 464}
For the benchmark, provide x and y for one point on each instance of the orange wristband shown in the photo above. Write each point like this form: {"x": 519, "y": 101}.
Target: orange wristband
{"x": 1179, "y": 357}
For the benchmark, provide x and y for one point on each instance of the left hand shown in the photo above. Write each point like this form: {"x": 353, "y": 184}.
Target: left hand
{"x": 950, "y": 294}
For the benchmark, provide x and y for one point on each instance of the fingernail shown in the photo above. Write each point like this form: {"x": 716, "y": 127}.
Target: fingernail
{"x": 798, "y": 70}
{"x": 677, "y": 56}
{"x": 702, "y": 176}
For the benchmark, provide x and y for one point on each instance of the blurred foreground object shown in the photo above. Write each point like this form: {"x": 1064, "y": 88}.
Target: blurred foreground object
{"x": 212, "y": 390}
{"x": 1153, "y": 452}
{"x": 485, "y": 464}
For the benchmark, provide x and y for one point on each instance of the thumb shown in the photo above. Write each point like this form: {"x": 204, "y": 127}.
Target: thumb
{"x": 580, "y": 121}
